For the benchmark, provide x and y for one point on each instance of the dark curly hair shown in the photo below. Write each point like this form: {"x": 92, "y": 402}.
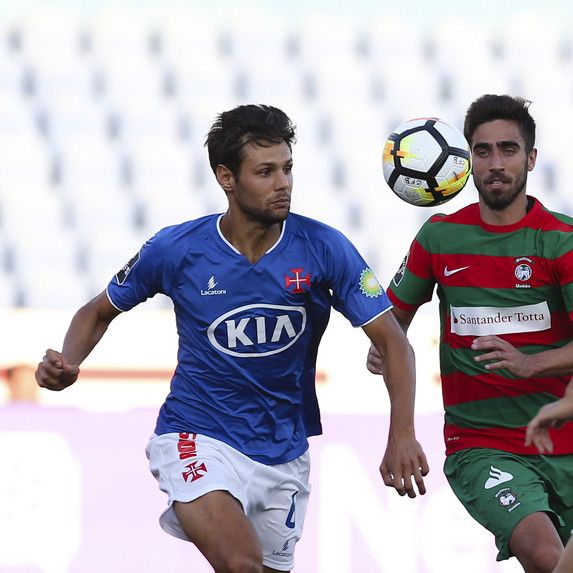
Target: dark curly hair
{"x": 490, "y": 107}
{"x": 233, "y": 129}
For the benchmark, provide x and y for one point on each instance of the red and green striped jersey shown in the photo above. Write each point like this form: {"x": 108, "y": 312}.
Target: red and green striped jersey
{"x": 513, "y": 281}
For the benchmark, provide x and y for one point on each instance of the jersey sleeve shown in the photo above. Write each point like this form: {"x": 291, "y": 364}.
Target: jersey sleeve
{"x": 148, "y": 273}
{"x": 414, "y": 282}
{"x": 356, "y": 292}
{"x": 563, "y": 270}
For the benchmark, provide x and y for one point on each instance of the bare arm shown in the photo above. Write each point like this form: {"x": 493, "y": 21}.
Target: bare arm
{"x": 58, "y": 370}
{"x": 550, "y": 415}
{"x": 566, "y": 560}
{"x": 404, "y": 457}
{"x": 498, "y": 353}
{"x": 374, "y": 360}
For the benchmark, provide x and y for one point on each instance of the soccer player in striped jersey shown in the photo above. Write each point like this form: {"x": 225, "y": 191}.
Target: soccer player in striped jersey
{"x": 252, "y": 290}
{"x": 503, "y": 268}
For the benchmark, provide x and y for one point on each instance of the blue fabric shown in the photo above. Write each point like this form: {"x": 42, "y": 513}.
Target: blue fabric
{"x": 249, "y": 333}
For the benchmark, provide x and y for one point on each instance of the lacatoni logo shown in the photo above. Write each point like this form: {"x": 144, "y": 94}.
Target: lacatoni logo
{"x": 284, "y": 551}
{"x": 211, "y": 290}
{"x": 257, "y": 330}
{"x": 483, "y": 320}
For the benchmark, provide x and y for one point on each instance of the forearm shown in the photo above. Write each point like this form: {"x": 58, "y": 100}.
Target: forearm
{"x": 404, "y": 458}
{"x": 554, "y": 362}
{"x": 565, "y": 404}
{"x": 400, "y": 380}
{"x": 566, "y": 561}
{"x": 397, "y": 365}
{"x": 86, "y": 329}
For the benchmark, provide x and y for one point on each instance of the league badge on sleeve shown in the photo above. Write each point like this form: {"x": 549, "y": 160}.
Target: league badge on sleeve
{"x": 400, "y": 272}
{"x": 122, "y": 275}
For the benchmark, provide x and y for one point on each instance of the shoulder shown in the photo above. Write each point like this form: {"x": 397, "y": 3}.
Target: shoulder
{"x": 553, "y": 220}
{"x": 173, "y": 241}
{"x": 179, "y": 234}
{"x": 313, "y": 230}
{"x": 442, "y": 223}
{"x": 203, "y": 225}
{"x": 554, "y": 232}
{"x": 467, "y": 215}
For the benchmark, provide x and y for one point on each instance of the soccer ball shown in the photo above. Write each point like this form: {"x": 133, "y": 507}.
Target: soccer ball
{"x": 426, "y": 161}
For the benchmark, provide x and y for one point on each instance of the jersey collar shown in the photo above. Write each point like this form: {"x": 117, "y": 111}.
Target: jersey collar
{"x": 272, "y": 248}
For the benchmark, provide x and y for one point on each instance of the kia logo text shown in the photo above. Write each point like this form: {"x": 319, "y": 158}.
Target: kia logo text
{"x": 257, "y": 330}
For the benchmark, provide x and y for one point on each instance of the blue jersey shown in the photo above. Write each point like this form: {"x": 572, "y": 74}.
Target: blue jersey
{"x": 249, "y": 333}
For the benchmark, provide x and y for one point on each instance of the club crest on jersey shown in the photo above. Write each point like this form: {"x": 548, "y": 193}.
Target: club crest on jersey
{"x": 369, "y": 285}
{"x": 523, "y": 271}
{"x": 257, "y": 330}
{"x": 122, "y": 275}
{"x": 298, "y": 281}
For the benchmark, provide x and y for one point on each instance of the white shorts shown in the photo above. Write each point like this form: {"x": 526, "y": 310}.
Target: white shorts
{"x": 274, "y": 498}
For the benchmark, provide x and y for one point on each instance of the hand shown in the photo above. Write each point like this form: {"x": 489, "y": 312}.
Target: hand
{"x": 552, "y": 415}
{"x": 374, "y": 362}
{"x": 402, "y": 460}
{"x": 54, "y": 373}
{"x": 503, "y": 355}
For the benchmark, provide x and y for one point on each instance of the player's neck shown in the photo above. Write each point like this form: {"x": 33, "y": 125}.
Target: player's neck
{"x": 512, "y": 214}
{"x": 252, "y": 239}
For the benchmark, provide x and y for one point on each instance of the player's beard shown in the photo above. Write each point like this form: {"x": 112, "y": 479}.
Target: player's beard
{"x": 499, "y": 199}
{"x": 266, "y": 216}
{"x": 273, "y": 210}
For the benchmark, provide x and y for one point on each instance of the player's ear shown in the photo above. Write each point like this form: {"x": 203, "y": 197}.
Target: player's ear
{"x": 531, "y": 159}
{"x": 225, "y": 177}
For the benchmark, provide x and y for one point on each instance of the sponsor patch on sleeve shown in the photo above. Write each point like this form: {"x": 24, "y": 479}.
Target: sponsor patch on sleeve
{"x": 122, "y": 275}
{"x": 369, "y": 285}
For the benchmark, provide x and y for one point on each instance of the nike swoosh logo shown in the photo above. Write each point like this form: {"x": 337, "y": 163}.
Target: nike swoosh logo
{"x": 290, "y": 517}
{"x": 448, "y": 272}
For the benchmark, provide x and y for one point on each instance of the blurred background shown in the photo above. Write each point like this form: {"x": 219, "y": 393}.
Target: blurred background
{"x": 104, "y": 108}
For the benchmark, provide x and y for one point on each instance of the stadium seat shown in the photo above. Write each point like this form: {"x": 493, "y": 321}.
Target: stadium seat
{"x": 8, "y": 292}
{"x": 103, "y": 117}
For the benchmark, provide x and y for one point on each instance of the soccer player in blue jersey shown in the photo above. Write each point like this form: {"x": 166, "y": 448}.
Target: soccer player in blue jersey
{"x": 252, "y": 290}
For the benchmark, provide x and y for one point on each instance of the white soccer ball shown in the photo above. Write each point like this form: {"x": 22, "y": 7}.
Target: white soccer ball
{"x": 426, "y": 161}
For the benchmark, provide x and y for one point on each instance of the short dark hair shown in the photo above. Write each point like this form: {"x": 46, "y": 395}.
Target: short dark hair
{"x": 490, "y": 107}
{"x": 261, "y": 124}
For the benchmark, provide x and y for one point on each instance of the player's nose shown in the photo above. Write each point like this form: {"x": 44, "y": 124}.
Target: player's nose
{"x": 496, "y": 161}
{"x": 283, "y": 180}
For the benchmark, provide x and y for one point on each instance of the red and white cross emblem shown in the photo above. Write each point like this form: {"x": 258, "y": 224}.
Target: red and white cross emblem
{"x": 297, "y": 281}
{"x": 194, "y": 472}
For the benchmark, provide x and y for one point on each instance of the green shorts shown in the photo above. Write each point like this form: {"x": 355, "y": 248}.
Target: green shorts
{"x": 499, "y": 489}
